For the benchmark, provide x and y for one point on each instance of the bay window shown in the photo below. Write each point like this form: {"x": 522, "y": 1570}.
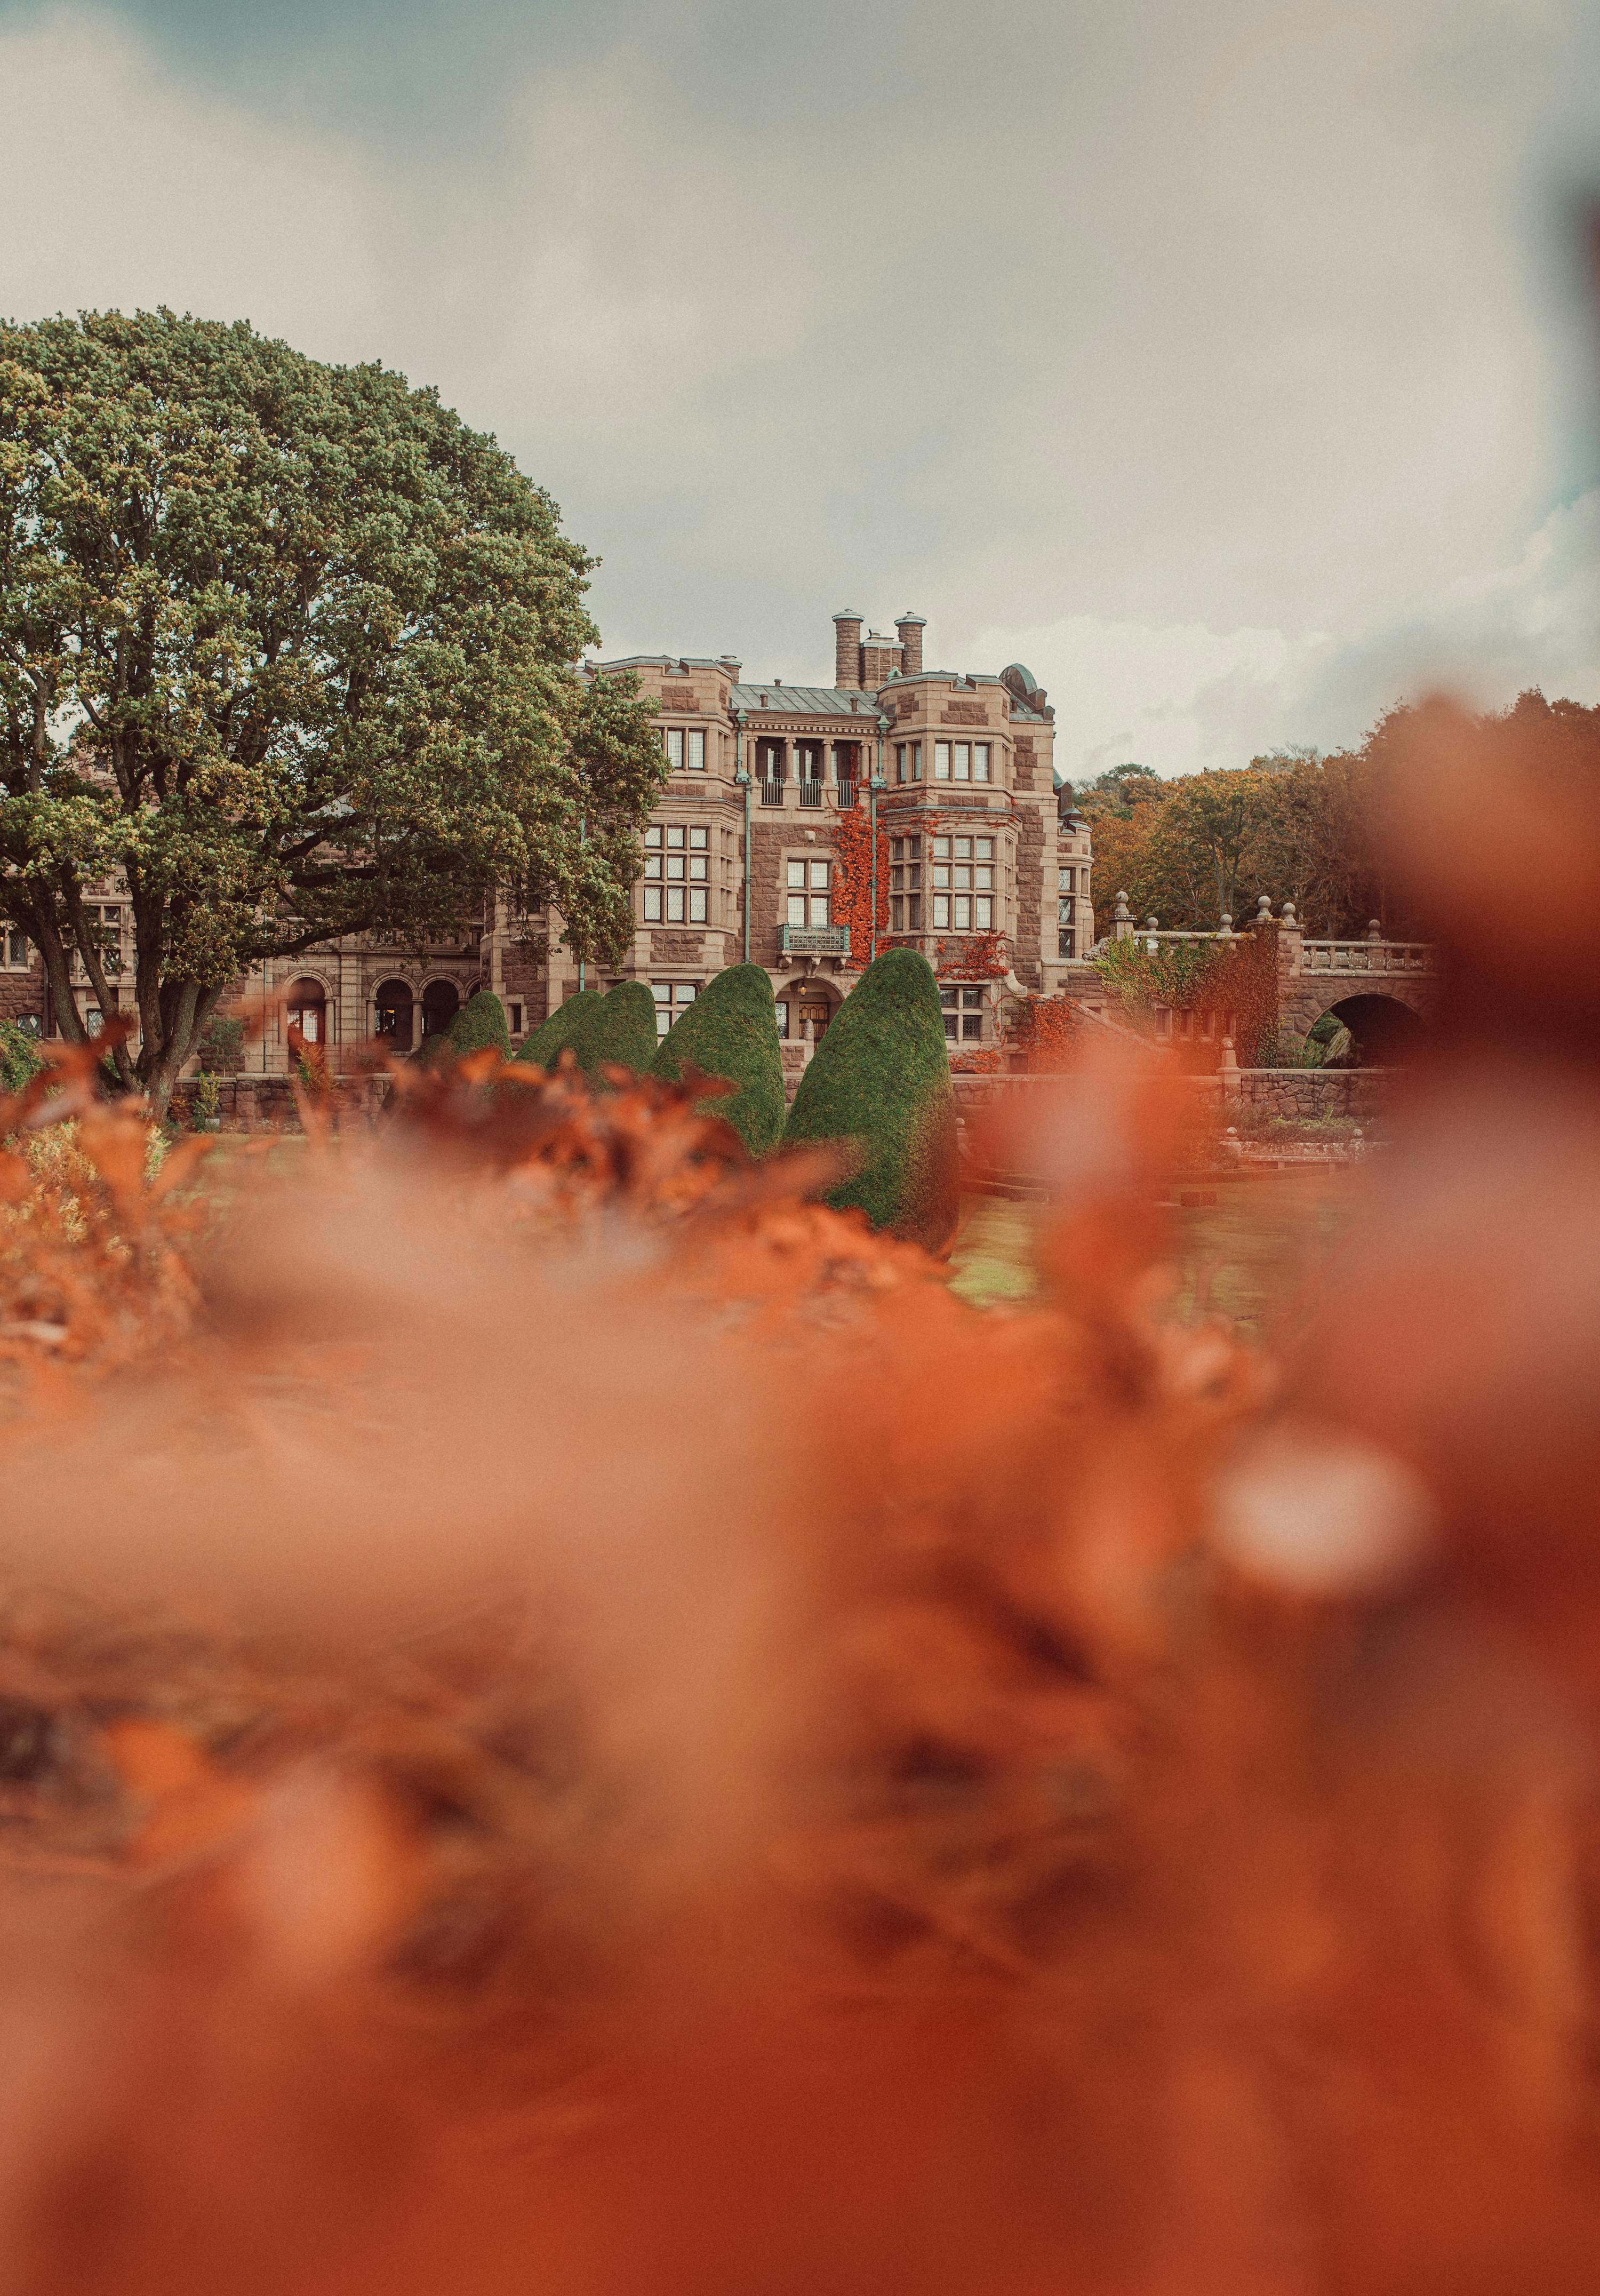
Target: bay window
{"x": 905, "y": 884}
{"x": 686, "y": 749}
{"x": 677, "y": 873}
{"x": 963, "y": 888}
{"x": 961, "y": 761}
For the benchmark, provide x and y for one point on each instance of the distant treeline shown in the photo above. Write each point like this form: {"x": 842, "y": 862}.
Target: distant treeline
{"x": 1293, "y": 824}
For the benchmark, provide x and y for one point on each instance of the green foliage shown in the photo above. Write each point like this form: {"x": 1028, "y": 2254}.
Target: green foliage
{"x": 294, "y": 652}
{"x": 545, "y": 1046}
{"x": 220, "y": 1046}
{"x": 1171, "y": 973}
{"x": 730, "y": 1030}
{"x": 205, "y": 1098}
{"x": 479, "y": 1024}
{"x": 20, "y": 1059}
{"x": 618, "y": 1030}
{"x": 880, "y": 1079}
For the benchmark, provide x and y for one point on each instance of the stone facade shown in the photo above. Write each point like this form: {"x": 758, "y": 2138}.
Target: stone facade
{"x": 987, "y": 871}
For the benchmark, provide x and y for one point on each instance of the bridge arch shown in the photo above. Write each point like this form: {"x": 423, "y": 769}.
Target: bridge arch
{"x": 1386, "y": 1031}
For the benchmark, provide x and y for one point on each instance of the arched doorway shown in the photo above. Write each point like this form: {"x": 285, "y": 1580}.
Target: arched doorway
{"x": 1383, "y": 1033}
{"x": 306, "y": 1012}
{"x": 804, "y": 1009}
{"x": 440, "y": 1005}
{"x": 394, "y": 1017}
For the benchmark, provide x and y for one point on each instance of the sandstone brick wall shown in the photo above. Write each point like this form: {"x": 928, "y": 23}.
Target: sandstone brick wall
{"x": 767, "y": 842}
{"x": 1030, "y": 895}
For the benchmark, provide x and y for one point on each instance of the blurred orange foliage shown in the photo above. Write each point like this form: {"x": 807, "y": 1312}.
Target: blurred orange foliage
{"x": 575, "y": 1720}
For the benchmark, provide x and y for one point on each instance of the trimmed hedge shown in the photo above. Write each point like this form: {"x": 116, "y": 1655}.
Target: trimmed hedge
{"x": 881, "y": 1077}
{"x": 480, "y": 1023}
{"x": 618, "y": 1028}
{"x": 547, "y": 1040}
{"x": 730, "y": 1030}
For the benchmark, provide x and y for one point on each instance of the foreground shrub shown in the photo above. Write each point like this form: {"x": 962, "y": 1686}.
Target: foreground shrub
{"x": 618, "y": 1031}
{"x": 480, "y": 1024}
{"x": 545, "y": 1045}
{"x": 880, "y": 1079}
{"x": 730, "y": 1030}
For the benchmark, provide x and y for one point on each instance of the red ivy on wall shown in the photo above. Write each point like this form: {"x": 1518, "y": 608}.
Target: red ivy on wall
{"x": 852, "y": 880}
{"x": 974, "y": 956}
{"x": 1045, "y": 1033}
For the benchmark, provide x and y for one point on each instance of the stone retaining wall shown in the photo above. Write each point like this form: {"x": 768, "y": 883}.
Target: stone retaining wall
{"x": 1299, "y": 1095}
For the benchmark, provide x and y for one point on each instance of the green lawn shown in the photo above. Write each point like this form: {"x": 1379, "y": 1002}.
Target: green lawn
{"x": 1253, "y": 1254}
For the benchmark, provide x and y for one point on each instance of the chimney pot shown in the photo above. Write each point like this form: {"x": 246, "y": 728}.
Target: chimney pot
{"x": 909, "y": 630}
{"x": 846, "y": 647}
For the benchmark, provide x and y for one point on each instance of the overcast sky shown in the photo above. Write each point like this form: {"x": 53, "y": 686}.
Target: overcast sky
{"x": 1224, "y": 363}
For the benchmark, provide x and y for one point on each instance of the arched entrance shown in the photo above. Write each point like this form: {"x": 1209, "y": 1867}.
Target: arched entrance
{"x": 440, "y": 1004}
{"x": 804, "y": 1009}
{"x": 395, "y": 1019}
{"x": 306, "y": 1012}
{"x": 1383, "y": 1033}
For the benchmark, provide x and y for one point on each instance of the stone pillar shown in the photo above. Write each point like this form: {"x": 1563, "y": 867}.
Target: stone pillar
{"x": 1288, "y": 940}
{"x": 247, "y": 1114}
{"x": 1122, "y": 923}
{"x": 1228, "y": 1069}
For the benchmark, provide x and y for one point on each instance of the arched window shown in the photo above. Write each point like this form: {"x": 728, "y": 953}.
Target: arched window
{"x": 308, "y": 1010}
{"x": 440, "y": 1005}
{"x": 394, "y": 1024}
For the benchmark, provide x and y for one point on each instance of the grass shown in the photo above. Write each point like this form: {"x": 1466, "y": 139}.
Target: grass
{"x": 1253, "y": 1254}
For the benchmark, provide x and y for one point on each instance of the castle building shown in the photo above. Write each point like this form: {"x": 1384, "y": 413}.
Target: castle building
{"x": 985, "y": 871}
{"x": 756, "y": 849}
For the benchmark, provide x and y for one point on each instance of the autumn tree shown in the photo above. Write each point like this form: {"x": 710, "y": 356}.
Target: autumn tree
{"x": 294, "y": 652}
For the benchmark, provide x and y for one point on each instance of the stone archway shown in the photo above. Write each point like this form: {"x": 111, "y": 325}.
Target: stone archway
{"x": 394, "y": 1023}
{"x": 1385, "y": 1032}
{"x": 441, "y": 1002}
{"x": 807, "y": 1001}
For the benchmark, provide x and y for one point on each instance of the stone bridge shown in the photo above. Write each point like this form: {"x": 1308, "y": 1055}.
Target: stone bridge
{"x": 1384, "y": 991}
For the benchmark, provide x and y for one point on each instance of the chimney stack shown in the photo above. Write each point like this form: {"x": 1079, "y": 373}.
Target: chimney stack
{"x": 909, "y": 630}
{"x": 847, "y": 648}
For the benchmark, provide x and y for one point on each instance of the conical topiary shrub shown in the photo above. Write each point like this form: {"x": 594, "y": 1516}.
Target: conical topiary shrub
{"x": 479, "y": 1024}
{"x": 730, "y": 1030}
{"x": 881, "y": 1077}
{"x": 618, "y": 1028}
{"x": 548, "y": 1039}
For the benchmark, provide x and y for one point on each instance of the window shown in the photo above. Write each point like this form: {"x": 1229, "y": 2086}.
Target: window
{"x": 16, "y": 946}
{"x": 686, "y": 749}
{"x": 808, "y": 892}
{"x": 905, "y": 884}
{"x": 782, "y": 1010}
{"x": 673, "y": 999}
{"x": 516, "y": 1019}
{"x": 963, "y": 871}
{"x": 908, "y": 761}
{"x": 963, "y": 1010}
{"x": 677, "y": 871}
{"x": 900, "y": 761}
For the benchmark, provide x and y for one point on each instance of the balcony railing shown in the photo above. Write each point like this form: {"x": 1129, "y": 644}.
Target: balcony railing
{"x": 811, "y": 791}
{"x": 816, "y": 941}
{"x": 847, "y": 795}
{"x": 771, "y": 792}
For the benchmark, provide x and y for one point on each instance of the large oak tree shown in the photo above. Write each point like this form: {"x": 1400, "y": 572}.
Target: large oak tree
{"x": 296, "y": 652}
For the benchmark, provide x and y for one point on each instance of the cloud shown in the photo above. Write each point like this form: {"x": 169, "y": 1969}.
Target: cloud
{"x": 1208, "y": 352}
{"x": 1182, "y": 697}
